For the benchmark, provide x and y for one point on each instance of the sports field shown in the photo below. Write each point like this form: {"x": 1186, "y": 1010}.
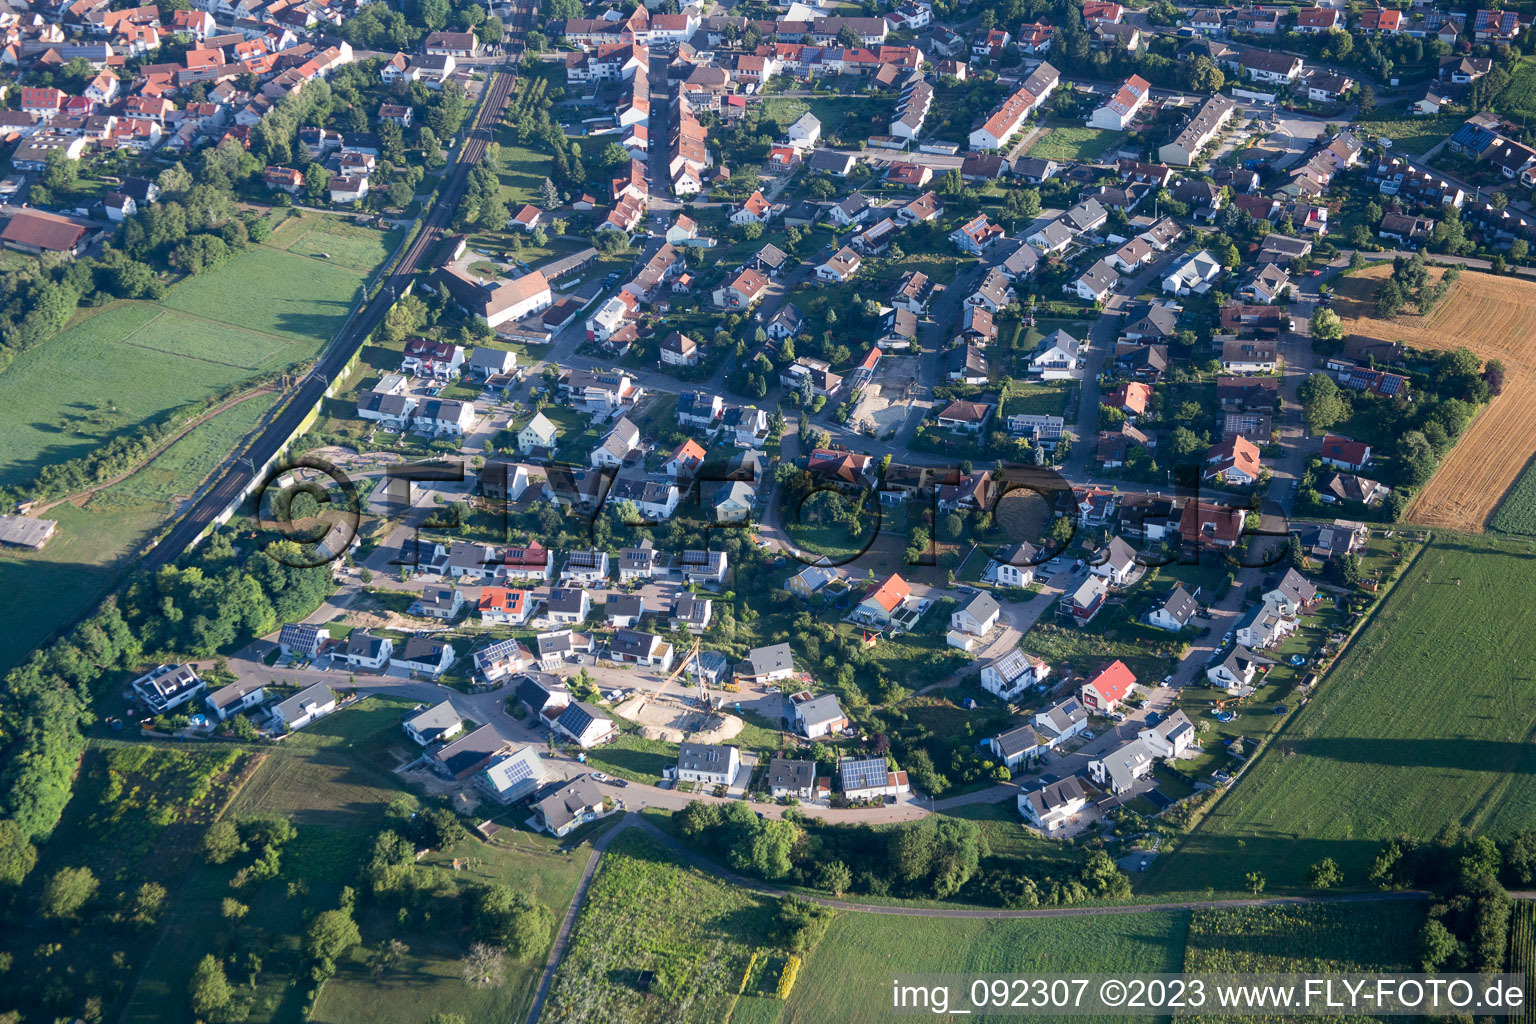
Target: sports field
{"x": 1496, "y": 318}
{"x": 1428, "y": 718}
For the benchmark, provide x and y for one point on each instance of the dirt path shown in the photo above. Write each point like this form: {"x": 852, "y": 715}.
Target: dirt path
{"x": 159, "y": 451}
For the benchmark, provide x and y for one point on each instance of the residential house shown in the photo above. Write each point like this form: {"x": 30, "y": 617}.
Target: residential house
{"x": 1108, "y": 689}
{"x": 308, "y": 705}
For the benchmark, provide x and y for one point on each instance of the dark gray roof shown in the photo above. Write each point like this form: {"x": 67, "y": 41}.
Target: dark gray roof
{"x": 624, "y": 605}
{"x": 703, "y": 757}
{"x": 763, "y": 660}
{"x": 1181, "y": 605}
{"x": 786, "y": 774}
{"x": 563, "y": 806}
{"x": 575, "y": 718}
{"x": 1016, "y": 741}
{"x": 1058, "y": 794}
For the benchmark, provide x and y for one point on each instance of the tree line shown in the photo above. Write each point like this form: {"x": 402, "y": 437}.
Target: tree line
{"x": 208, "y": 603}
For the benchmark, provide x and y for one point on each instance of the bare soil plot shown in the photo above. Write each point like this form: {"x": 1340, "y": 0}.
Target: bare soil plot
{"x": 1496, "y": 318}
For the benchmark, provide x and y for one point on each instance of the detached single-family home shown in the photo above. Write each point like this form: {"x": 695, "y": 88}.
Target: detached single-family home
{"x": 1012, "y": 674}
{"x": 791, "y": 779}
{"x": 1175, "y": 611}
{"x": 766, "y": 665}
{"x": 364, "y": 650}
{"x": 978, "y": 616}
{"x": 1344, "y": 453}
{"x": 420, "y": 654}
{"x": 428, "y": 725}
{"x": 511, "y": 776}
{"x": 883, "y": 601}
{"x": 1170, "y": 737}
{"x": 1051, "y": 807}
{"x": 1292, "y": 596}
{"x": 571, "y": 806}
{"x": 308, "y": 705}
{"x": 815, "y": 717}
{"x": 1262, "y": 626}
{"x": 870, "y": 778}
{"x": 1118, "y": 772}
{"x": 708, "y": 764}
{"x": 1106, "y": 690}
{"x": 584, "y": 725}
{"x": 1237, "y": 671}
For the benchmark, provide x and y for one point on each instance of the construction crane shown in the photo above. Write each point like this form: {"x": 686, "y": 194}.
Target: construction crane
{"x": 681, "y": 667}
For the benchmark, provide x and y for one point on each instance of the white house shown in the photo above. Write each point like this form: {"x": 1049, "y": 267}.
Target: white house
{"x": 306, "y": 706}
{"x": 1060, "y": 722}
{"x": 1175, "y": 612}
{"x": 1119, "y": 771}
{"x": 1012, "y": 674}
{"x": 1049, "y": 808}
{"x": 428, "y": 725}
{"x": 978, "y": 616}
{"x": 1117, "y": 563}
{"x": 1170, "y": 737}
{"x": 585, "y": 725}
{"x": 364, "y": 650}
{"x": 708, "y": 764}
{"x": 538, "y": 432}
{"x": 816, "y": 717}
{"x": 423, "y": 655}
{"x": 1056, "y": 358}
{"x": 1192, "y": 275}
{"x": 1236, "y": 673}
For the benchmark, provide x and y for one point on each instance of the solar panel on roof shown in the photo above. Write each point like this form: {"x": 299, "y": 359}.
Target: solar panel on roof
{"x": 866, "y": 774}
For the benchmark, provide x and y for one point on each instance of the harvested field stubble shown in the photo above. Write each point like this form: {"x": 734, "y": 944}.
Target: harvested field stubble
{"x": 1496, "y": 318}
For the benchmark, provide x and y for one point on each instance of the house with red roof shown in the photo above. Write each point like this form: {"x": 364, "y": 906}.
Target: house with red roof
{"x": 1344, "y": 453}
{"x": 847, "y": 469}
{"x": 883, "y": 601}
{"x": 1105, "y": 691}
{"x": 1130, "y": 398}
{"x": 686, "y": 460}
{"x": 1204, "y": 525}
{"x": 1234, "y": 461}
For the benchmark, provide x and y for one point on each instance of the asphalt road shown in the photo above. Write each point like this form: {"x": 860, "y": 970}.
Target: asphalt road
{"x": 240, "y": 471}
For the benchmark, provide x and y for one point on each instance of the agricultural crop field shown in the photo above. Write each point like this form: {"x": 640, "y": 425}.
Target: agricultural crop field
{"x": 1522, "y": 951}
{"x": 657, "y": 942}
{"x": 1517, "y": 510}
{"x": 1496, "y": 318}
{"x": 1426, "y": 719}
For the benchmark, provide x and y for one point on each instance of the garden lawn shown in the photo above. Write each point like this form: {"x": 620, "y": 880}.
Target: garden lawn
{"x": 344, "y": 244}
{"x": 1068, "y": 141}
{"x": 1427, "y": 719}
{"x": 1415, "y": 135}
{"x": 846, "y": 977}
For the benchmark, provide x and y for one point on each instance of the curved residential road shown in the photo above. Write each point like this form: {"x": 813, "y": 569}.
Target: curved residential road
{"x": 239, "y": 472}
{"x": 631, "y": 820}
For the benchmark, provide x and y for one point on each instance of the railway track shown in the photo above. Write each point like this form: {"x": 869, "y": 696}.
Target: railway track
{"x": 239, "y": 472}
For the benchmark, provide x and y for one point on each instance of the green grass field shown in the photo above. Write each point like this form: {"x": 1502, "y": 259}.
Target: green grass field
{"x": 41, "y": 591}
{"x": 1517, "y": 511}
{"x": 1413, "y": 135}
{"x": 347, "y": 245}
{"x": 696, "y": 937}
{"x": 847, "y": 977}
{"x": 1427, "y": 719}
{"x": 1069, "y": 141}
{"x": 273, "y": 292}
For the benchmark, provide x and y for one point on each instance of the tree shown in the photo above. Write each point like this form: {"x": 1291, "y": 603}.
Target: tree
{"x": 834, "y": 877}
{"x": 232, "y": 909}
{"x": 146, "y": 903}
{"x": 59, "y": 171}
{"x": 1436, "y": 945}
{"x": 1325, "y": 874}
{"x": 1322, "y": 403}
{"x": 331, "y": 934}
{"x": 484, "y": 966}
{"x": 1326, "y": 325}
{"x": 210, "y": 989}
{"x": 67, "y": 891}
{"x": 1255, "y": 882}
{"x": 513, "y": 919}
{"x": 17, "y": 854}
{"x": 1366, "y": 98}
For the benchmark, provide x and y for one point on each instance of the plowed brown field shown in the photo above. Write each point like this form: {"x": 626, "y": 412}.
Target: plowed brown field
{"x": 1496, "y": 318}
